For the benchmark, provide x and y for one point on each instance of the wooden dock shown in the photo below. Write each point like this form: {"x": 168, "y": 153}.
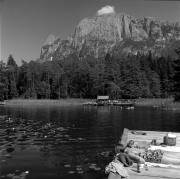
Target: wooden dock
{"x": 153, "y": 172}
{"x": 148, "y": 136}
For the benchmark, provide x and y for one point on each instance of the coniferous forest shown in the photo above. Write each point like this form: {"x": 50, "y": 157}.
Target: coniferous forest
{"x": 132, "y": 76}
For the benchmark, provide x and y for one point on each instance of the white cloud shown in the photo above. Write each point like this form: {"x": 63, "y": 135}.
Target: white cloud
{"x": 106, "y": 10}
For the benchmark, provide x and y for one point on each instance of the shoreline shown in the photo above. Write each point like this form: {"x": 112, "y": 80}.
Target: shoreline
{"x": 153, "y": 102}
{"x": 45, "y": 102}
{"x": 163, "y": 103}
{"x": 167, "y": 103}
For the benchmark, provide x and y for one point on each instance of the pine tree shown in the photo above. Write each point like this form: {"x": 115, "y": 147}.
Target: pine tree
{"x": 12, "y": 75}
{"x": 11, "y": 61}
{"x": 176, "y": 64}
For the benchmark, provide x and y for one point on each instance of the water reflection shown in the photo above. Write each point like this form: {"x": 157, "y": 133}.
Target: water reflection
{"x": 66, "y": 142}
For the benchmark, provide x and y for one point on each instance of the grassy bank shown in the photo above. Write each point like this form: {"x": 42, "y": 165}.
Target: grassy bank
{"x": 167, "y": 103}
{"x": 173, "y": 106}
{"x": 154, "y": 102}
{"x": 45, "y": 102}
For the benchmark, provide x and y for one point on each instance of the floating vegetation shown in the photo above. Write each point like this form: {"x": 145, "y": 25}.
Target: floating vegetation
{"x": 71, "y": 172}
{"x": 26, "y": 132}
{"x": 18, "y": 134}
{"x": 16, "y": 175}
{"x": 92, "y": 166}
{"x": 67, "y": 165}
{"x": 10, "y": 149}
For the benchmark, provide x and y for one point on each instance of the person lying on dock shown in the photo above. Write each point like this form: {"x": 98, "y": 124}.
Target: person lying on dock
{"x": 133, "y": 153}
{"x": 116, "y": 169}
{"x": 145, "y": 155}
{"x": 124, "y": 157}
{"x": 129, "y": 155}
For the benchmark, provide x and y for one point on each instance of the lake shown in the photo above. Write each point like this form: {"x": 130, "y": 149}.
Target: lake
{"x": 70, "y": 142}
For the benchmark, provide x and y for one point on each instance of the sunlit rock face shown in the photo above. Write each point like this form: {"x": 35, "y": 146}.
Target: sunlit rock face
{"x": 112, "y": 32}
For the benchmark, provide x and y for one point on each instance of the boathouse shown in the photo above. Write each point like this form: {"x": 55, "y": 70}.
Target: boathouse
{"x": 102, "y": 98}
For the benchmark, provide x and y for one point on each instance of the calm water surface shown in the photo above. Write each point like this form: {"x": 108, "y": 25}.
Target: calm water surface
{"x": 70, "y": 142}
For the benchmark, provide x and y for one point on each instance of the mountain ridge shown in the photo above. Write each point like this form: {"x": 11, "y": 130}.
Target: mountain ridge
{"x": 99, "y": 35}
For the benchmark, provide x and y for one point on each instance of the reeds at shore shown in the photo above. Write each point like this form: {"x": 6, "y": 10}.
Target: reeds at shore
{"x": 153, "y": 101}
{"x": 45, "y": 102}
{"x": 165, "y": 103}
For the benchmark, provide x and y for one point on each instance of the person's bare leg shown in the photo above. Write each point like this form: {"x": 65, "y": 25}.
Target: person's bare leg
{"x": 136, "y": 158}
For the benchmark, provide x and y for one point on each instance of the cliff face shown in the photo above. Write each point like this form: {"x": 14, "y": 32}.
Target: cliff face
{"x": 113, "y": 32}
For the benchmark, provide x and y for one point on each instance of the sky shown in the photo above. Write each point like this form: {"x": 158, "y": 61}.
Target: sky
{"x": 26, "y": 24}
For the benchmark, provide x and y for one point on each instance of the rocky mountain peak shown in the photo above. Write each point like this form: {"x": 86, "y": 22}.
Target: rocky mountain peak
{"x": 100, "y": 34}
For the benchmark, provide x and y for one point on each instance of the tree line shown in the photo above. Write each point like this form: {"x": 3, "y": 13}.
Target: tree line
{"x": 132, "y": 76}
